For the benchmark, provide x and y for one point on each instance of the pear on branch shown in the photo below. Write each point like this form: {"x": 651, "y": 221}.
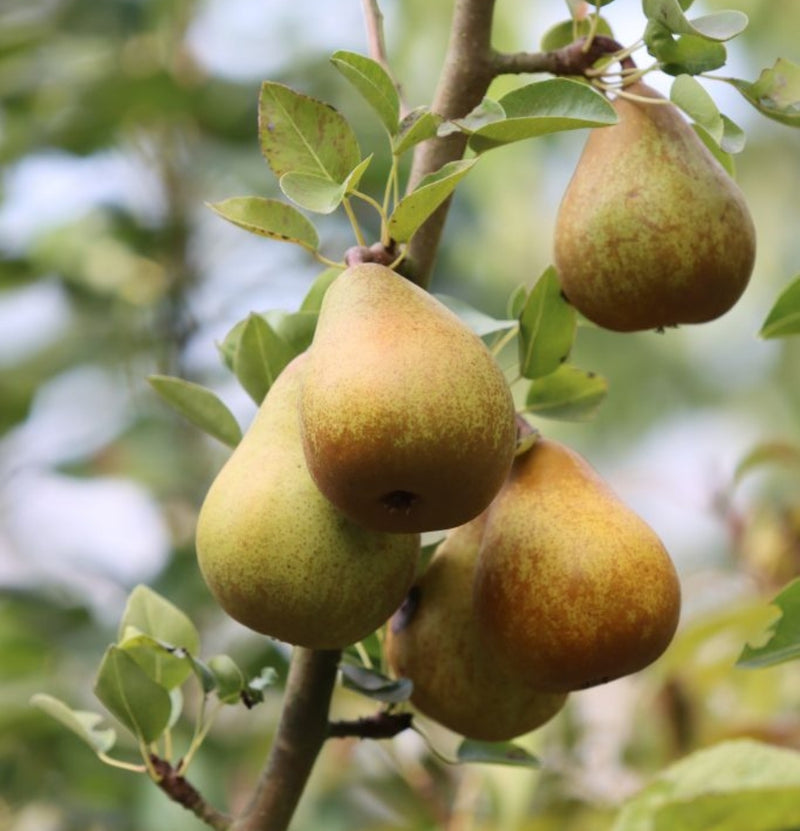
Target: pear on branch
{"x": 408, "y": 422}
{"x": 434, "y": 640}
{"x": 572, "y": 588}
{"x": 651, "y": 231}
{"x": 278, "y": 556}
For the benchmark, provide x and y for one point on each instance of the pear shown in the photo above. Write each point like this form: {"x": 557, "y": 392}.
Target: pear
{"x": 408, "y": 423}
{"x": 278, "y": 556}
{"x": 433, "y": 640}
{"x": 572, "y": 587}
{"x": 651, "y": 231}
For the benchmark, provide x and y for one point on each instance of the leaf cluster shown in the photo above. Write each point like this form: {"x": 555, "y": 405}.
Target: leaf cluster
{"x": 140, "y": 682}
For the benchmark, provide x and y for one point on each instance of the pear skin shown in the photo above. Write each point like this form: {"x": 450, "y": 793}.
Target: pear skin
{"x": 408, "y": 423}
{"x": 278, "y": 556}
{"x": 572, "y": 588}
{"x": 651, "y": 231}
{"x": 433, "y": 640}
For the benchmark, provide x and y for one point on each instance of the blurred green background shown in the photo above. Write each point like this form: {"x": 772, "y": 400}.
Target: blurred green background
{"x": 118, "y": 121}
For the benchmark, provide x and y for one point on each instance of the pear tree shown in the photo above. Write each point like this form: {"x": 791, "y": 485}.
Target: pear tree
{"x": 407, "y": 411}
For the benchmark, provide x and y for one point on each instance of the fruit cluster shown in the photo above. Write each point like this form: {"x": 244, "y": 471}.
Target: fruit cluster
{"x": 398, "y": 420}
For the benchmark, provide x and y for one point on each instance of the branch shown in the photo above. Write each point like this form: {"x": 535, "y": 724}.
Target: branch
{"x": 179, "y": 790}
{"x": 301, "y": 733}
{"x": 470, "y": 65}
{"x": 380, "y": 726}
{"x": 467, "y": 72}
{"x": 574, "y": 59}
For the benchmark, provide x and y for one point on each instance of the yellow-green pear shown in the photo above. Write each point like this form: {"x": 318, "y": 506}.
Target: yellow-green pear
{"x": 572, "y": 588}
{"x": 651, "y": 231}
{"x": 407, "y": 420}
{"x": 458, "y": 681}
{"x": 278, "y": 556}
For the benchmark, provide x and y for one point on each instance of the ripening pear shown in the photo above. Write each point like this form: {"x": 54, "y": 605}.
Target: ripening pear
{"x": 407, "y": 420}
{"x": 652, "y": 231}
{"x": 572, "y": 588}
{"x": 433, "y": 640}
{"x": 278, "y": 556}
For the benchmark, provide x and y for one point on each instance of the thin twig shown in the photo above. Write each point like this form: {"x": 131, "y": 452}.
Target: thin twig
{"x": 180, "y": 790}
{"x": 376, "y": 44}
{"x": 373, "y": 20}
{"x": 382, "y": 725}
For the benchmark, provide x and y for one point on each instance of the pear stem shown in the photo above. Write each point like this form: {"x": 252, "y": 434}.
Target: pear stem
{"x": 302, "y": 731}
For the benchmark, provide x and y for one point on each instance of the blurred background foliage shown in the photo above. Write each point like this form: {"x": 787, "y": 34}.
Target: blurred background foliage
{"x": 118, "y": 120}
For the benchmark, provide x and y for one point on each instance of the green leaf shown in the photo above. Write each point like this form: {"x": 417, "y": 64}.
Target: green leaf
{"x": 229, "y": 678}
{"x": 294, "y": 328}
{"x": 516, "y": 301}
{"x": 784, "y": 317}
{"x": 300, "y": 134}
{"x": 261, "y": 354}
{"x": 200, "y": 406}
{"x": 716, "y": 151}
{"x": 159, "y": 637}
{"x": 547, "y": 327}
{"x": 691, "y": 96}
{"x": 419, "y": 125}
{"x": 544, "y": 107}
{"x": 176, "y": 706}
{"x": 720, "y": 26}
{"x": 268, "y": 218}
{"x": 81, "y": 722}
{"x": 784, "y": 634}
{"x": 142, "y": 705}
{"x": 480, "y": 323}
{"x": 495, "y": 753}
{"x": 374, "y": 685}
{"x": 564, "y": 33}
{"x": 254, "y": 693}
{"x": 733, "y": 136}
{"x": 294, "y": 332}
{"x": 413, "y": 209}
{"x": 154, "y": 615}
{"x": 312, "y": 192}
{"x": 204, "y": 675}
{"x": 776, "y": 93}
{"x": 354, "y": 178}
{"x": 569, "y": 394}
{"x": 740, "y": 785}
{"x": 166, "y": 665}
{"x": 315, "y": 193}
{"x": 689, "y": 54}
{"x": 374, "y": 84}
{"x": 487, "y": 112}
{"x": 313, "y": 299}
